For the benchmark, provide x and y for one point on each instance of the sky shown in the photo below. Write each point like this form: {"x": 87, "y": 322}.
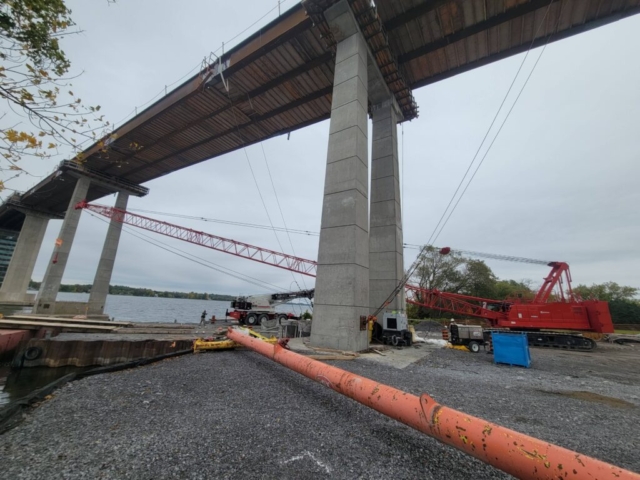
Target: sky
{"x": 560, "y": 182}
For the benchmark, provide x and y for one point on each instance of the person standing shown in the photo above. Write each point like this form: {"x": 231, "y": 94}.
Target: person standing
{"x": 203, "y": 317}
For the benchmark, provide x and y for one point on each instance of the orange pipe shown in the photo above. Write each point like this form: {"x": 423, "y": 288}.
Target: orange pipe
{"x": 515, "y": 453}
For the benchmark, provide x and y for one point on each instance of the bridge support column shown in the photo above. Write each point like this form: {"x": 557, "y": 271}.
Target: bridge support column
{"x": 46, "y": 299}
{"x": 342, "y": 283}
{"x": 386, "y": 267}
{"x": 100, "y": 288}
{"x": 16, "y": 281}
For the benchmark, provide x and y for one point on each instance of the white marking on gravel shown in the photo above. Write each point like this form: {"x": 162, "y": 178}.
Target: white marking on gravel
{"x": 326, "y": 467}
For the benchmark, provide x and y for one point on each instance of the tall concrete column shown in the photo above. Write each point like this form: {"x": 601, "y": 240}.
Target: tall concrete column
{"x": 100, "y": 288}
{"x": 16, "y": 281}
{"x": 342, "y": 283}
{"x": 386, "y": 267}
{"x": 46, "y": 299}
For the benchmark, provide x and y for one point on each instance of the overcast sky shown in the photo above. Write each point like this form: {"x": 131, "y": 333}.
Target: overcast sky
{"x": 560, "y": 183}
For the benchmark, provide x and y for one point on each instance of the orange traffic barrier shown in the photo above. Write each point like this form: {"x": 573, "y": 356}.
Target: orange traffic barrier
{"x": 513, "y": 452}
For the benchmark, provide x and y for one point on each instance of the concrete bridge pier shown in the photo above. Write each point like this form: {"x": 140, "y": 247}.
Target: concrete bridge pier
{"x": 342, "y": 283}
{"x": 386, "y": 264}
{"x": 357, "y": 267}
{"x": 46, "y": 298}
{"x": 100, "y": 288}
{"x": 16, "y": 281}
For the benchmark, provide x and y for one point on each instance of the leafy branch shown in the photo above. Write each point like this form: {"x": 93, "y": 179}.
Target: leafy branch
{"x": 47, "y": 119}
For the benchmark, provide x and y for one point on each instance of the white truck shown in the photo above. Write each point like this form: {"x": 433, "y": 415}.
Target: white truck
{"x": 253, "y": 310}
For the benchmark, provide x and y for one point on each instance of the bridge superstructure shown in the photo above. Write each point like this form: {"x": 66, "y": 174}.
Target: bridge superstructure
{"x": 288, "y": 75}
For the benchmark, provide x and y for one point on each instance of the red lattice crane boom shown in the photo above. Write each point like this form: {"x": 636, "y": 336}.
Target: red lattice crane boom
{"x": 226, "y": 245}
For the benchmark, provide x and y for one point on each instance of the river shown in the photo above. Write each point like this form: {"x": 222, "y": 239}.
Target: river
{"x": 165, "y": 310}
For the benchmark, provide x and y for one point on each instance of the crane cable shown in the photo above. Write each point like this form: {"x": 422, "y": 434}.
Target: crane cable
{"x": 418, "y": 259}
{"x": 497, "y": 133}
{"x": 275, "y": 192}
{"x": 495, "y": 117}
{"x": 244, "y": 149}
{"x": 195, "y": 259}
{"x": 227, "y": 222}
{"x": 492, "y": 256}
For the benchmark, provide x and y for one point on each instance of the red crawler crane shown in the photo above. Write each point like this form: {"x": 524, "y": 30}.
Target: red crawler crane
{"x": 535, "y": 316}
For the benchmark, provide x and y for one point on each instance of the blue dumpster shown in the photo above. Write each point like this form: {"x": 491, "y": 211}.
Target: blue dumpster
{"x": 511, "y": 349}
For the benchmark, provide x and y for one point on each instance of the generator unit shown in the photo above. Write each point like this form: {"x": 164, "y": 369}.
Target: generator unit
{"x": 393, "y": 329}
{"x": 471, "y": 336}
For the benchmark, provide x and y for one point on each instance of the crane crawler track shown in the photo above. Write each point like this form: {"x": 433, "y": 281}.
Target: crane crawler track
{"x": 545, "y": 339}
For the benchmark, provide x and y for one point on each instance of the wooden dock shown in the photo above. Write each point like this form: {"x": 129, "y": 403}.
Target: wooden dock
{"x": 94, "y": 342}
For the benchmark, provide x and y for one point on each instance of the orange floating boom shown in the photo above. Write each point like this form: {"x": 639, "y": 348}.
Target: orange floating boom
{"x": 512, "y": 452}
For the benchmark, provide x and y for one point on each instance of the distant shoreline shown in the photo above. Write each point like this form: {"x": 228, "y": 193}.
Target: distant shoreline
{"x": 122, "y": 290}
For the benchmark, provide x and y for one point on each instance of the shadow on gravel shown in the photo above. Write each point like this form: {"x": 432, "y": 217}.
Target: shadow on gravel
{"x": 592, "y": 397}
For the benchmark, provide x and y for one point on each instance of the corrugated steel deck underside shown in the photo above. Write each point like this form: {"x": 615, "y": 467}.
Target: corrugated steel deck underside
{"x": 280, "y": 79}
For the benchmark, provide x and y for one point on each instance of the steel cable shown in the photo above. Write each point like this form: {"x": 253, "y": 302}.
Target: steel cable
{"x": 199, "y": 260}
{"x": 495, "y": 117}
{"x": 416, "y": 262}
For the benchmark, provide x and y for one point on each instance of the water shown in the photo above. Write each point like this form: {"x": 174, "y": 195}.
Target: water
{"x": 155, "y": 309}
{"x": 17, "y": 383}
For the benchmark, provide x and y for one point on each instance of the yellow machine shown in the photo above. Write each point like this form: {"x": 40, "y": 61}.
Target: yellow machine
{"x": 202, "y": 345}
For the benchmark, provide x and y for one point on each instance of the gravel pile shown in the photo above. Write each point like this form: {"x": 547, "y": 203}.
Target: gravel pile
{"x": 428, "y": 326}
{"x": 239, "y": 415}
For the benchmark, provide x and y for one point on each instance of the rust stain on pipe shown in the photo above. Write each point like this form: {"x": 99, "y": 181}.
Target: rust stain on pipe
{"x": 515, "y": 453}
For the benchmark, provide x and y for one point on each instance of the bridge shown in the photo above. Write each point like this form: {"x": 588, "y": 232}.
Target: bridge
{"x": 343, "y": 60}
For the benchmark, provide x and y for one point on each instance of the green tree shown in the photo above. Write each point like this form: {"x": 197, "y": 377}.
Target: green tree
{"x": 451, "y": 273}
{"x": 607, "y": 292}
{"x": 623, "y": 304}
{"x": 512, "y": 289}
{"x": 49, "y": 119}
{"x": 625, "y": 311}
{"x": 454, "y": 273}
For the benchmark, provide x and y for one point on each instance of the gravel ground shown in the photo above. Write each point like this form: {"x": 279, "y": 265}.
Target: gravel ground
{"x": 428, "y": 326}
{"x": 238, "y": 415}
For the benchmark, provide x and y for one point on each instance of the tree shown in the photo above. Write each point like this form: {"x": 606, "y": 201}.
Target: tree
{"x": 623, "y": 304}
{"x": 454, "y": 273}
{"x": 625, "y": 311}
{"x": 512, "y": 289}
{"x": 46, "y": 118}
{"x": 607, "y": 292}
{"x": 451, "y": 273}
